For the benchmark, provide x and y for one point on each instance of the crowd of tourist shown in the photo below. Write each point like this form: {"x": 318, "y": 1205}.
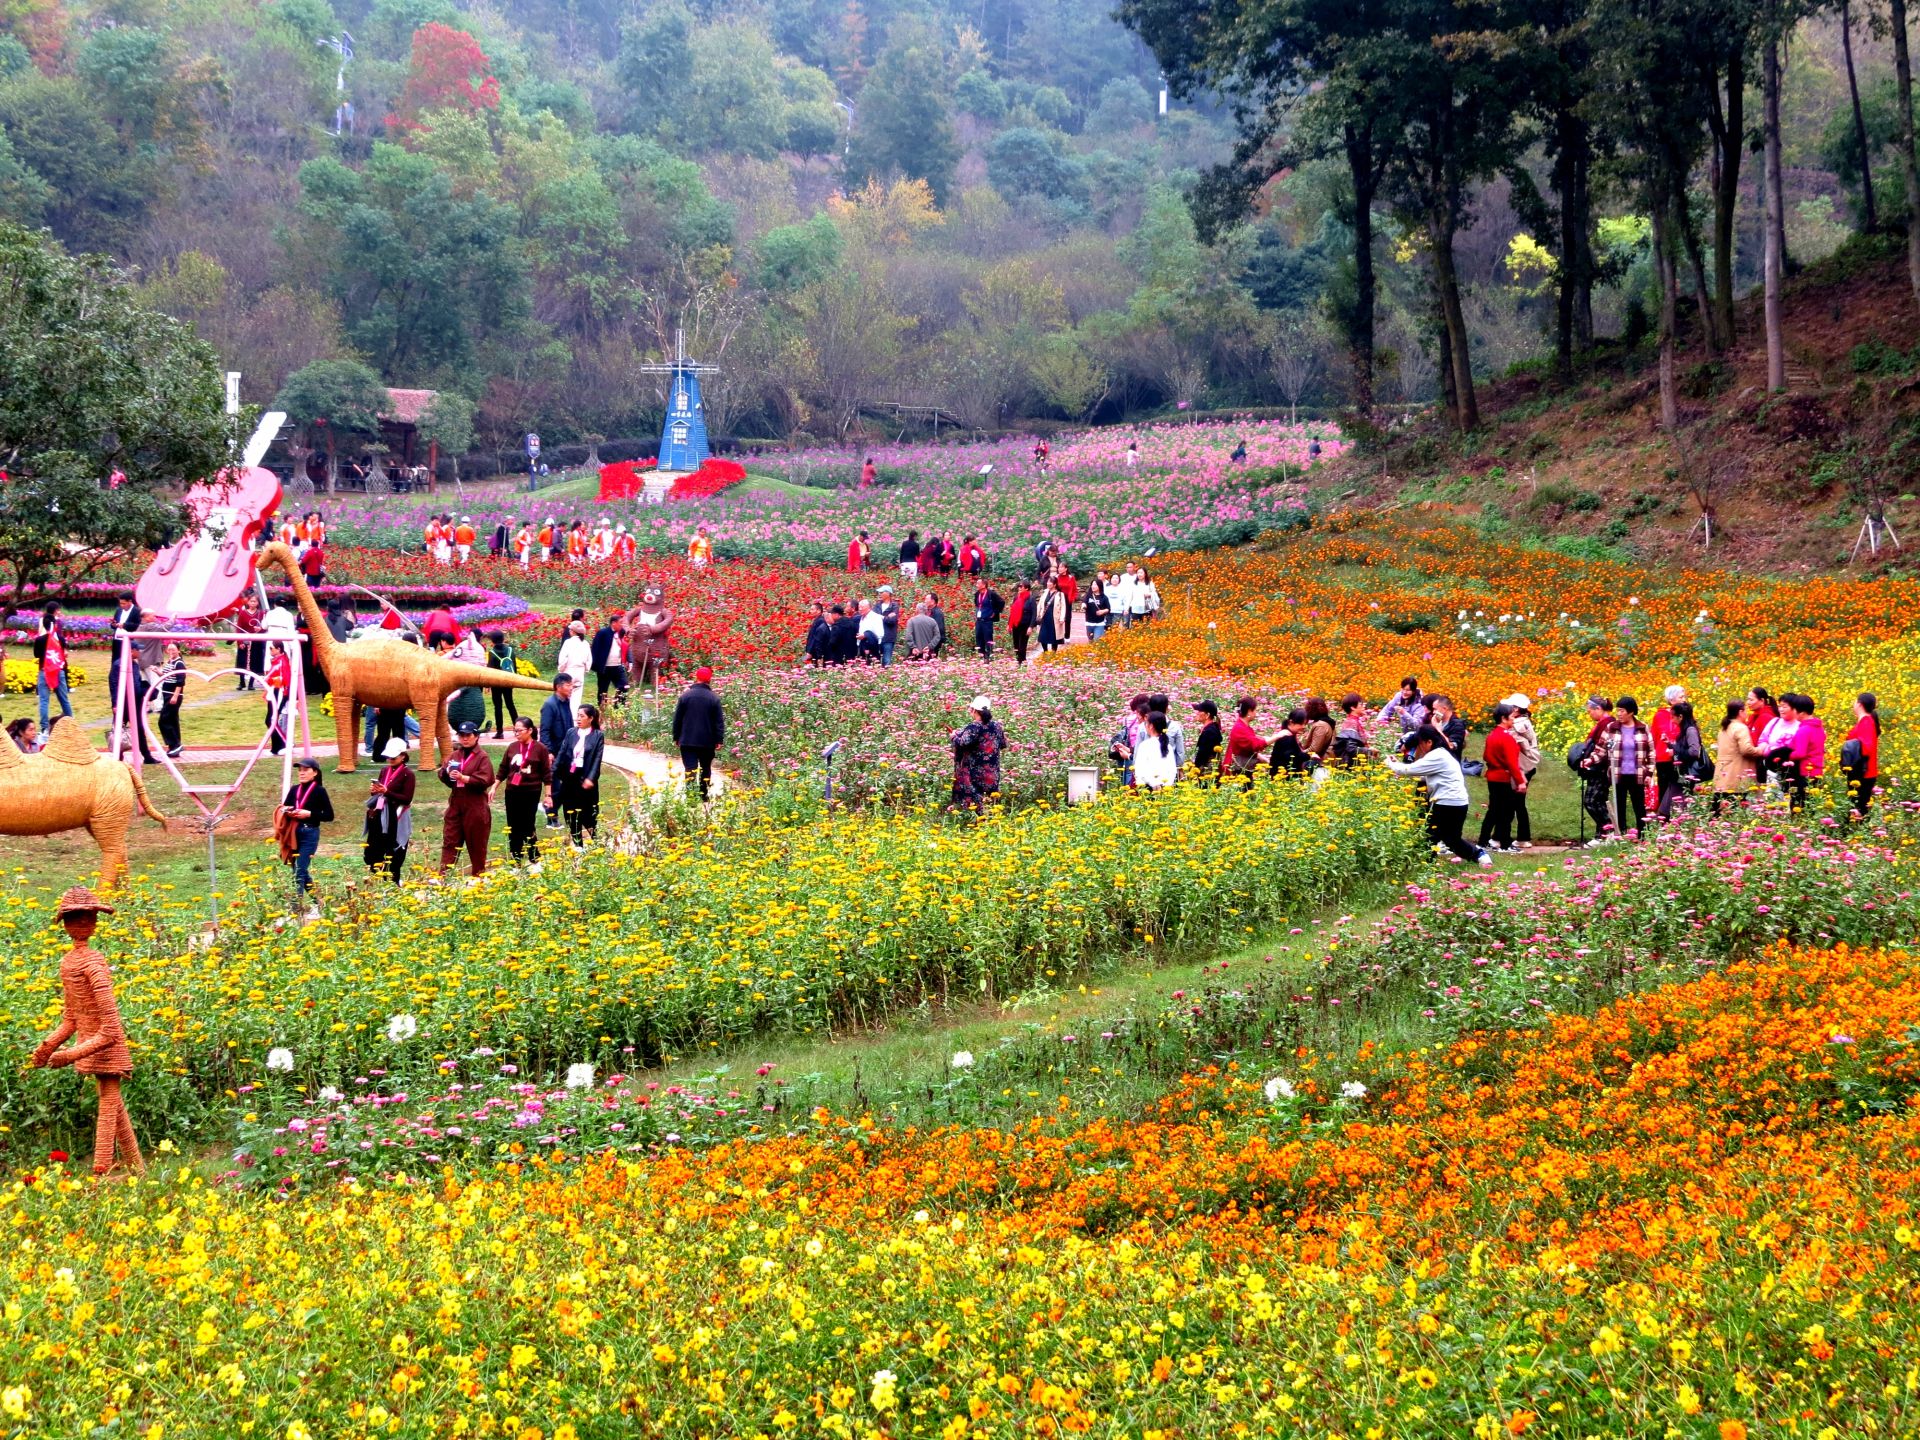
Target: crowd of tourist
{"x": 1040, "y": 609}
{"x": 1627, "y": 769}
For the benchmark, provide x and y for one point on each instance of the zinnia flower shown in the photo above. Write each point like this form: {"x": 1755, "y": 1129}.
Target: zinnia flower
{"x": 580, "y": 1077}
{"x": 962, "y": 1060}
{"x": 401, "y": 1027}
{"x": 280, "y": 1058}
{"x": 1279, "y": 1089}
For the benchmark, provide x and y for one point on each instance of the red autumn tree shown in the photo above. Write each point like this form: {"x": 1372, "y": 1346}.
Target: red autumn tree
{"x": 448, "y": 71}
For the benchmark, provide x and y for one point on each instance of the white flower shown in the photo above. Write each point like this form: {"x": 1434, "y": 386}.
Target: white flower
{"x": 329, "y": 1095}
{"x": 1353, "y": 1090}
{"x": 962, "y": 1060}
{"x": 280, "y": 1058}
{"x": 1279, "y": 1089}
{"x": 401, "y": 1027}
{"x": 1633, "y": 600}
{"x": 1463, "y": 614}
{"x": 580, "y": 1077}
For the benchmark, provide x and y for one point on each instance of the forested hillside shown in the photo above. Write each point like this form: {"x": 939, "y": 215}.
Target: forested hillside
{"x": 869, "y": 212}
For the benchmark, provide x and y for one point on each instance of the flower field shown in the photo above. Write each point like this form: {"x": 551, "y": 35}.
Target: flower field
{"x": 1093, "y": 514}
{"x": 896, "y": 721}
{"x": 1360, "y": 601}
{"x": 1199, "y": 452}
{"x": 1692, "y": 1213}
{"x": 747, "y": 927}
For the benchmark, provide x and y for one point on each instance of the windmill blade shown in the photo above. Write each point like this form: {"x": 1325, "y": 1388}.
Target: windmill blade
{"x": 262, "y": 439}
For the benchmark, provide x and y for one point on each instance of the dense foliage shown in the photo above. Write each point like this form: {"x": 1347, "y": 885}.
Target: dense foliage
{"x": 974, "y": 210}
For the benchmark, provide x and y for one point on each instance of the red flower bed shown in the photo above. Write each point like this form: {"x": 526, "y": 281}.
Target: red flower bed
{"x": 622, "y": 480}
{"x": 713, "y": 476}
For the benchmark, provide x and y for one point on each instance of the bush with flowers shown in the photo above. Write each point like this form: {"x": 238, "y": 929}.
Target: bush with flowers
{"x": 896, "y": 722}
{"x": 746, "y": 927}
{"x": 22, "y": 676}
{"x": 1692, "y": 1213}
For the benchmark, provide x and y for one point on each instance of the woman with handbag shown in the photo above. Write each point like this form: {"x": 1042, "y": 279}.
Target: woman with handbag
{"x": 389, "y": 829}
{"x": 1734, "y": 756}
{"x": 1860, "y": 751}
{"x": 579, "y": 774}
{"x": 297, "y": 822}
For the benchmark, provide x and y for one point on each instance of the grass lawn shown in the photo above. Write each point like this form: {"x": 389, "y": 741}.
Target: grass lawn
{"x": 177, "y": 855}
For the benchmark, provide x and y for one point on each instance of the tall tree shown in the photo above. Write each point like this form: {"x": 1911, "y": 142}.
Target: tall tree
{"x": 1870, "y": 219}
{"x": 424, "y": 277}
{"x": 93, "y": 382}
{"x": 1647, "y": 92}
{"x": 1903, "y": 83}
{"x": 903, "y": 127}
{"x": 1774, "y": 259}
{"x": 1299, "y": 81}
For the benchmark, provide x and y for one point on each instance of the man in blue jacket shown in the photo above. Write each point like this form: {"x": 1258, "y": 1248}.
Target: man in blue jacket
{"x": 556, "y": 719}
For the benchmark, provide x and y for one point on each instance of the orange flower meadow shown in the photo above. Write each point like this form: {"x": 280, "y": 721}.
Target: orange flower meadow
{"x": 1361, "y": 600}
{"x": 1691, "y": 1214}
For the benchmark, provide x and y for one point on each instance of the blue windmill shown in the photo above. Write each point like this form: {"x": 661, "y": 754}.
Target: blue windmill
{"x": 683, "y": 437}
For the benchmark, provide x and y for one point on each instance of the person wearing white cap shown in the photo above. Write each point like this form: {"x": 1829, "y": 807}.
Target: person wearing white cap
{"x": 977, "y": 746}
{"x": 390, "y": 812}
{"x": 1529, "y": 742}
{"x": 463, "y": 538}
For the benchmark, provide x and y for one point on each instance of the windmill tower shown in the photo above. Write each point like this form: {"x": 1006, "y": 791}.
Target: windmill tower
{"x": 683, "y": 437}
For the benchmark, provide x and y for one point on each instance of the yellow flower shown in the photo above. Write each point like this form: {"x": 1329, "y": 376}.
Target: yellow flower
{"x": 1689, "y": 1400}
{"x": 15, "y": 1399}
{"x": 1425, "y": 1378}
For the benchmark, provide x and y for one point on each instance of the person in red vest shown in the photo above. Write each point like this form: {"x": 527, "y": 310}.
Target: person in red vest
{"x": 441, "y": 622}
{"x": 858, "y": 554}
{"x": 868, "y": 474}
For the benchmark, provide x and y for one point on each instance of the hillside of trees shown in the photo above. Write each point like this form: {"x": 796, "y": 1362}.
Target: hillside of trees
{"x": 870, "y": 210}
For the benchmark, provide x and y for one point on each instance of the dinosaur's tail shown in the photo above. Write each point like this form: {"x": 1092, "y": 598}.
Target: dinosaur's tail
{"x": 140, "y": 795}
{"x": 464, "y": 673}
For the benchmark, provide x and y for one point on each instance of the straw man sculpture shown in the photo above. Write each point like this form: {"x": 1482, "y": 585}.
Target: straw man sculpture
{"x": 92, "y": 1020}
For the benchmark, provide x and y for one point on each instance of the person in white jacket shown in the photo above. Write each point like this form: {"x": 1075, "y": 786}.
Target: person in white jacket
{"x": 575, "y": 656}
{"x": 1120, "y": 597}
{"x": 1145, "y": 596}
{"x": 1155, "y": 765}
{"x": 1434, "y": 763}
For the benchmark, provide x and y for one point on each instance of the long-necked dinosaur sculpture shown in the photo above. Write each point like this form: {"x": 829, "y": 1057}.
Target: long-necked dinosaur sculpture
{"x": 70, "y": 785}
{"x": 386, "y": 673}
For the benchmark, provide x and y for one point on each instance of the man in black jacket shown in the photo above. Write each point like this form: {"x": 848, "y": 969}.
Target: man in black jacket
{"x": 556, "y": 719}
{"x": 699, "y": 728}
{"x": 609, "y": 668}
{"x": 819, "y": 636}
{"x": 846, "y": 638}
{"x": 126, "y": 617}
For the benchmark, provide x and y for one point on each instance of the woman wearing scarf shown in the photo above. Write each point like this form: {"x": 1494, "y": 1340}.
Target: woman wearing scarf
{"x": 390, "y": 812}
{"x": 306, "y": 808}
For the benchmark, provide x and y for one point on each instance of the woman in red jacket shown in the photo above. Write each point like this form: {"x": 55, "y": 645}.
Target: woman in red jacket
{"x": 1864, "y": 773}
{"x": 1506, "y": 780}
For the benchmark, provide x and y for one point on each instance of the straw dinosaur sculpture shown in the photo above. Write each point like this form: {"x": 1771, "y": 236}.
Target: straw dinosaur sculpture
{"x": 386, "y": 673}
{"x": 69, "y": 786}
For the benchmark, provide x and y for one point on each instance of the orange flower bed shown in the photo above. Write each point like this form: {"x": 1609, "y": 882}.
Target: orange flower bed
{"x": 1692, "y": 1214}
{"x": 1362, "y": 600}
